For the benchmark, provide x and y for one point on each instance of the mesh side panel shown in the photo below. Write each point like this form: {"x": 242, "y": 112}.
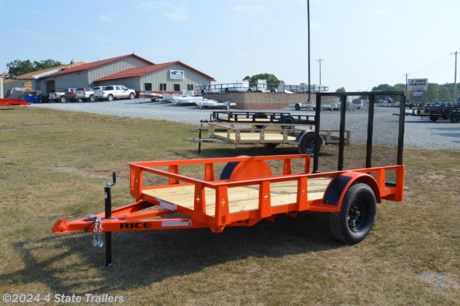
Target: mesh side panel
{"x": 374, "y": 131}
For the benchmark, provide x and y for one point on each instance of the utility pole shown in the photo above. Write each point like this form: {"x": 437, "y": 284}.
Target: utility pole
{"x": 455, "y": 78}
{"x": 1, "y": 86}
{"x": 407, "y": 88}
{"x": 308, "y": 26}
{"x": 319, "y": 61}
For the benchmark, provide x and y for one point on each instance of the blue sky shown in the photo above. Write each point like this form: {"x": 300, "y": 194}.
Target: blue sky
{"x": 363, "y": 43}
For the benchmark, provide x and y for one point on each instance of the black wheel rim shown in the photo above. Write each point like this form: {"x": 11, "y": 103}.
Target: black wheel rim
{"x": 357, "y": 215}
{"x": 310, "y": 147}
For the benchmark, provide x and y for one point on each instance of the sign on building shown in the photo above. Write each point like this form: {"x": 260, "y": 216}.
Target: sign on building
{"x": 417, "y": 84}
{"x": 176, "y": 74}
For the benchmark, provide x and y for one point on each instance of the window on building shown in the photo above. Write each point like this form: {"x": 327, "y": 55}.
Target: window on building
{"x": 176, "y": 87}
{"x": 189, "y": 87}
{"x": 148, "y": 86}
{"x": 162, "y": 86}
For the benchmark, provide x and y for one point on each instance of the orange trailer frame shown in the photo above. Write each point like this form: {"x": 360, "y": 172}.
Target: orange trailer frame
{"x": 248, "y": 190}
{"x": 148, "y": 211}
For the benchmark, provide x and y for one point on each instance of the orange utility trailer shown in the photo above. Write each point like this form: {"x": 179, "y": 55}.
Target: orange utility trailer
{"x": 216, "y": 193}
{"x": 13, "y": 102}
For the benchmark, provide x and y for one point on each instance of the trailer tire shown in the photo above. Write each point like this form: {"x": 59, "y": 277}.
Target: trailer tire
{"x": 455, "y": 118}
{"x": 356, "y": 217}
{"x": 433, "y": 118}
{"x": 228, "y": 169}
{"x": 307, "y": 143}
{"x": 287, "y": 120}
{"x": 263, "y": 116}
{"x": 270, "y": 146}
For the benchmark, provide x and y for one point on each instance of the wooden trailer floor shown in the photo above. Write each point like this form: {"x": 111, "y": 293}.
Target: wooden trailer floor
{"x": 243, "y": 198}
{"x": 253, "y": 137}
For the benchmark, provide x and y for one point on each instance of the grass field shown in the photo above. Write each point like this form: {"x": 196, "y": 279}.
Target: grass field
{"x": 54, "y": 164}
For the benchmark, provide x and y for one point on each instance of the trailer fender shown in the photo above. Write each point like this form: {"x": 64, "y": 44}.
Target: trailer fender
{"x": 339, "y": 185}
{"x": 248, "y": 169}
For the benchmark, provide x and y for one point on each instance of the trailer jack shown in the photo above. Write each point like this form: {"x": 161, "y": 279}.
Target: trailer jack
{"x": 98, "y": 241}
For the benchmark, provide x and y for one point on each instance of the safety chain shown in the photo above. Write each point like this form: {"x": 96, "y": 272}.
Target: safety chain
{"x": 98, "y": 241}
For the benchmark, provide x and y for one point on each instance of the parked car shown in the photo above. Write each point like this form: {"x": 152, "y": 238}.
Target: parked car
{"x": 112, "y": 92}
{"x": 85, "y": 94}
{"x": 71, "y": 94}
{"x": 98, "y": 88}
{"x": 62, "y": 95}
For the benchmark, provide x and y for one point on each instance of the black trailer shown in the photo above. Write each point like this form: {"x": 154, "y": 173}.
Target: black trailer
{"x": 451, "y": 113}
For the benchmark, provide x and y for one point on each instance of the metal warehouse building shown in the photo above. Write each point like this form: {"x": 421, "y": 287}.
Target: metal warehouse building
{"x": 169, "y": 77}
{"x": 131, "y": 71}
{"x": 85, "y": 75}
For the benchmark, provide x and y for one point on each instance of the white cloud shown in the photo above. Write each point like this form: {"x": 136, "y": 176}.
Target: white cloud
{"x": 250, "y": 9}
{"x": 108, "y": 17}
{"x": 171, "y": 11}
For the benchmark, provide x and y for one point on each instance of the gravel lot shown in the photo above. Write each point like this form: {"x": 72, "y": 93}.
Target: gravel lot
{"x": 419, "y": 133}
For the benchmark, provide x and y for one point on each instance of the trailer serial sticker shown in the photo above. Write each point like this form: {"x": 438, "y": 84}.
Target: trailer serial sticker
{"x": 176, "y": 223}
{"x": 167, "y": 205}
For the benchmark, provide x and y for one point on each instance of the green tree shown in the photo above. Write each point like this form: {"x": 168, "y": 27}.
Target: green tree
{"x": 400, "y": 87}
{"x": 383, "y": 87}
{"x": 19, "y": 67}
{"x": 272, "y": 80}
{"x": 341, "y": 89}
{"x": 45, "y": 64}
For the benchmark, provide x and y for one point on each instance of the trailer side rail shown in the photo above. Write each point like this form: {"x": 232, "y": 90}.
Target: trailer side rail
{"x": 260, "y": 117}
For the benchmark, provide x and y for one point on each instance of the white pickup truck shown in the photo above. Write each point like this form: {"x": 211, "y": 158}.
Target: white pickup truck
{"x": 85, "y": 94}
{"x": 112, "y": 92}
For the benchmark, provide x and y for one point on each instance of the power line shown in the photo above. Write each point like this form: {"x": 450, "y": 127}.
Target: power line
{"x": 443, "y": 60}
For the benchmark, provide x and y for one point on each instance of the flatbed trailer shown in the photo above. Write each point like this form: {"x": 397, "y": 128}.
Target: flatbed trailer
{"x": 268, "y": 134}
{"x": 451, "y": 113}
{"x": 217, "y": 193}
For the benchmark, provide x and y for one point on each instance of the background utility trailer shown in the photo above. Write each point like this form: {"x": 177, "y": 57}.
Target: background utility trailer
{"x": 216, "y": 193}
{"x": 268, "y": 134}
{"x": 451, "y": 113}
{"x": 267, "y": 128}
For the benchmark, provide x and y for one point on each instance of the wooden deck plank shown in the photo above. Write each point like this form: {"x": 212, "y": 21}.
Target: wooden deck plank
{"x": 247, "y": 136}
{"x": 244, "y": 198}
